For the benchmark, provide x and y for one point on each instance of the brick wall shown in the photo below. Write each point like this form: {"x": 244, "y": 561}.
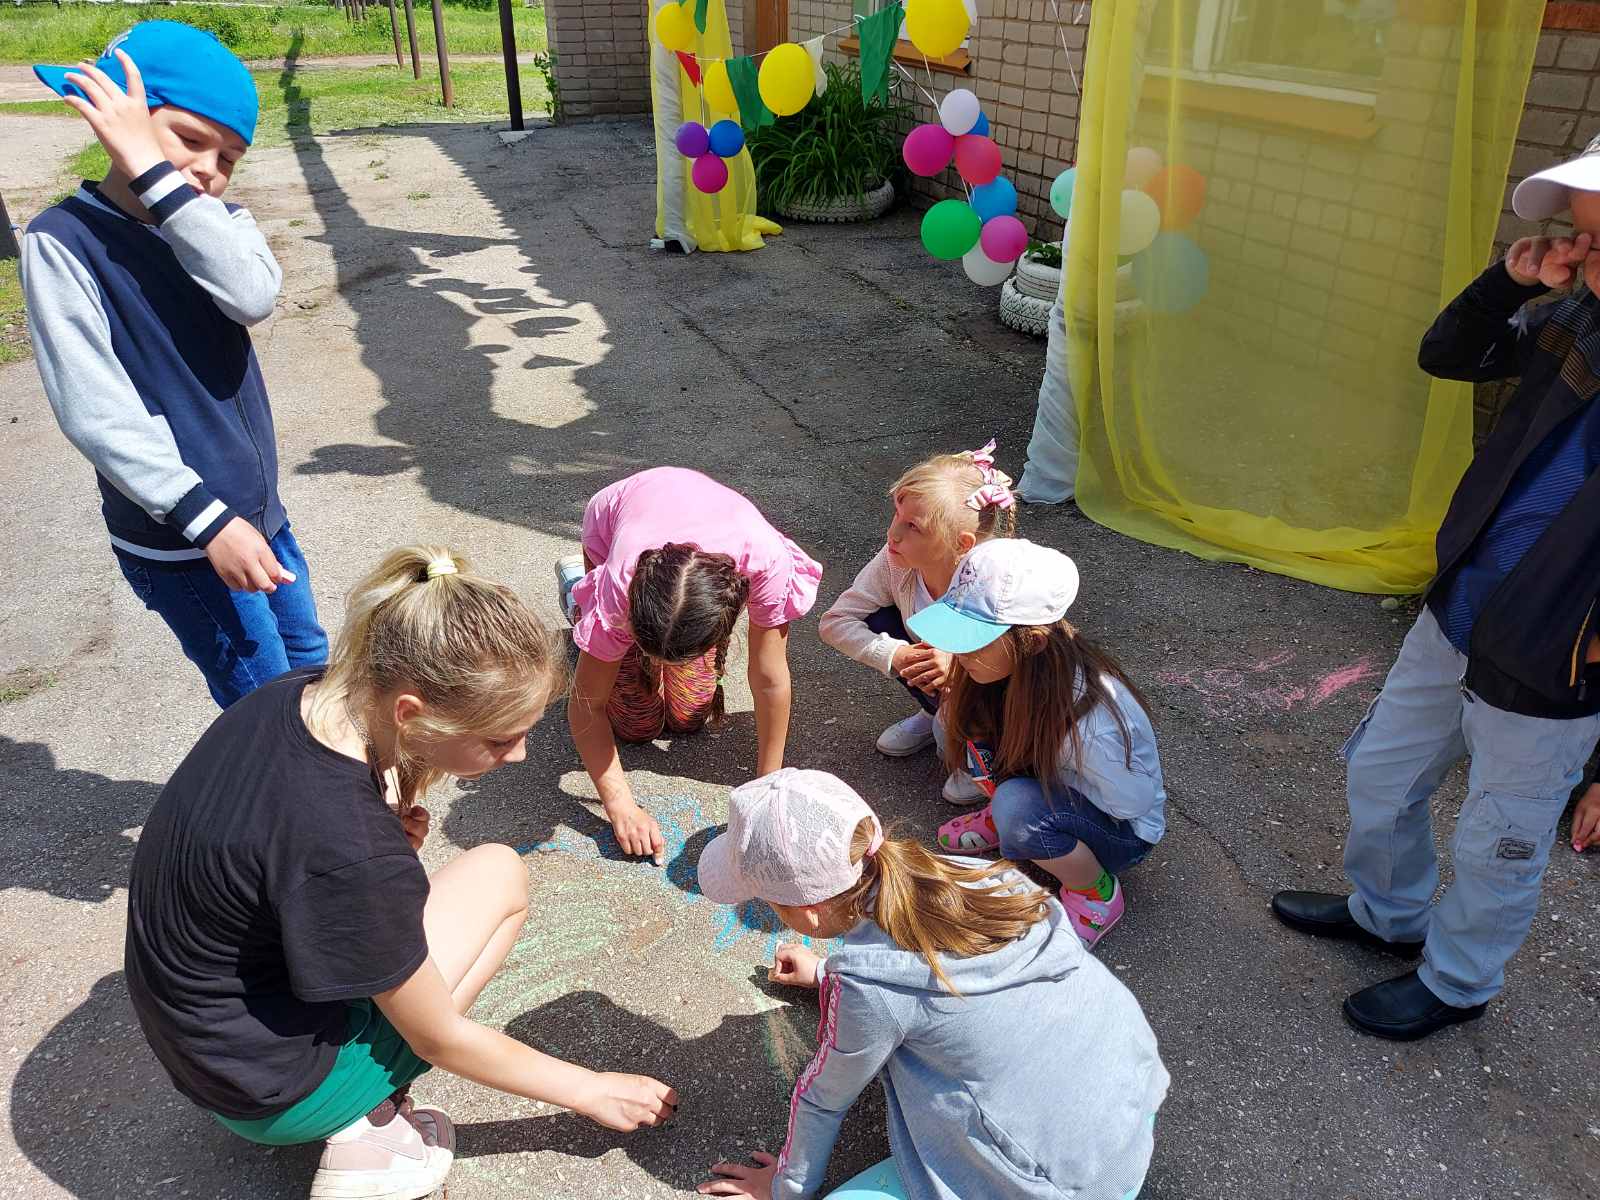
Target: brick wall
{"x": 602, "y": 57}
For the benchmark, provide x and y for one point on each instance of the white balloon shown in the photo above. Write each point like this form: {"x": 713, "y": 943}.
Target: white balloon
{"x": 1142, "y": 165}
{"x": 1141, "y": 221}
{"x": 983, "y": 270}
{"x": 958, "y": 112}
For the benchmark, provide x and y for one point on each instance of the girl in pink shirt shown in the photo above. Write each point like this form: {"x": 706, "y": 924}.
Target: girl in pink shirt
{"x": 672, "y": 558}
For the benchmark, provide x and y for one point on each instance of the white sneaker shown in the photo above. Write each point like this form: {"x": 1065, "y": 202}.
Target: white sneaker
{"x": 569, "y": 569}
{"x": 960, "y": 788}
{"x": 908, "y": 736}
{"x": 404, "y": 1159}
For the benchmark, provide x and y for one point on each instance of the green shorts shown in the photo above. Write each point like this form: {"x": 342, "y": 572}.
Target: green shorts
{"x": 373, "y": 1063}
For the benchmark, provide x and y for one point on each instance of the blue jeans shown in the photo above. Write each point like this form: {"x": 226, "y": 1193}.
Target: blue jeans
{"x": 1034, "y": 826}
{"x": 239, "y": 640}
{"x": 1523, "y": 771}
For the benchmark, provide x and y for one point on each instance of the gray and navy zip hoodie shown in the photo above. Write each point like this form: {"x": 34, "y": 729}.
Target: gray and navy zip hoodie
{"x": 1040, "y": 1081}
{"x": 139, "y": 333}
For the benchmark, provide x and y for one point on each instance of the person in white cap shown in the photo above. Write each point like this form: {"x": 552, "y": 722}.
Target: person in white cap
{"x": 1049, "y": 726}
{"x": 1503, "y": 664}
{"x": 962, "y": 984}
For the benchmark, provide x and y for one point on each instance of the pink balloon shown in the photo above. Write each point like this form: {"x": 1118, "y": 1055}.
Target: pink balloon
{"x": 977, "y": 158}
{"x": 1003, "y": 239}
{"x": 710, "y": 173}
{"x": 927, "y": 149}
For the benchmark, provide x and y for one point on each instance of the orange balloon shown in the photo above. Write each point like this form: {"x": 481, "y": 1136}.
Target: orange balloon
{"x": 1180, "y": 193}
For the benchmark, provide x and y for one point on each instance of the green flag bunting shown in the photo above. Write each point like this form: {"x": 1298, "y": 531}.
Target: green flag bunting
{"x": 753, "y": 112}
{"x": 700, "y": 7}
{"x": 878, "y": 34}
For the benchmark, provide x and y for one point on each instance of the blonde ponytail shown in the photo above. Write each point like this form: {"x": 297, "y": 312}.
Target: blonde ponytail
{"x": 927, "y": 904}
{"x": 468, "y": 647}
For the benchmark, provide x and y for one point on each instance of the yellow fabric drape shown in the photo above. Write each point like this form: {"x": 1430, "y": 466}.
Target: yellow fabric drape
{"x": 1261, "y": 402}
{"x": 725, "y": 220}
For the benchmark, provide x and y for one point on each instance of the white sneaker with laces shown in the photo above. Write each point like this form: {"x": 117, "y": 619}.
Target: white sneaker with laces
{"x": 405, "y": 1159}
{"x": 908, "y": 736}
{"x": 569, "y": 569}
{"x": 960, "y": 788}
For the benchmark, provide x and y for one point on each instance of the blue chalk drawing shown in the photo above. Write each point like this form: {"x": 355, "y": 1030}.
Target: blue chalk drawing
{"x": 682, "y": 821}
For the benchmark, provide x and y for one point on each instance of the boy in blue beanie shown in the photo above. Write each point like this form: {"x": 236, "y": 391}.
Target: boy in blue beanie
{"x": 139, "y": 290}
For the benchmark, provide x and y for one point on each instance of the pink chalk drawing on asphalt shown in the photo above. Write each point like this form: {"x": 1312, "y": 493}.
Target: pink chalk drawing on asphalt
{"x": 1265, "y": 686}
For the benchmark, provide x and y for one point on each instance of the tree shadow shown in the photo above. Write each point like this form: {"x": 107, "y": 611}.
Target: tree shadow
{"x": 748, "y": 1056}
{"x": 83, "y": 851}
{"x": 92, "y": 1109}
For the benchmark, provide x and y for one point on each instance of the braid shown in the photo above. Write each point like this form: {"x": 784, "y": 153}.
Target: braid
{"x": 736, "y": 593}
{"x": 683, "y": 602}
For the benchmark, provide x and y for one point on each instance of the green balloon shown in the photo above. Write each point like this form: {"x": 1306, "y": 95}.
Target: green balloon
{"x": 950, "y": 228}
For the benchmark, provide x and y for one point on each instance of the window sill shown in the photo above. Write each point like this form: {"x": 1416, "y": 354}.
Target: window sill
{"x": 959, "y": 63}
{"x": 1330, "y": 111}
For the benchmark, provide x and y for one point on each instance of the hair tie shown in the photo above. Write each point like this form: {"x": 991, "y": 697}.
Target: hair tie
{"x": 877, "y": 838}
{"x": 442, "y": 566}
{"x": 996, "y": 489}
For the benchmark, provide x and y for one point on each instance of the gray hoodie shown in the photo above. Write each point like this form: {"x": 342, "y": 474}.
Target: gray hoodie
{"x": 1039, "y": 1081}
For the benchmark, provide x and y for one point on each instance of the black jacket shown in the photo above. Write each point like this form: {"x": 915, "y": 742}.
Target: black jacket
{"x": 1527, "y": 649}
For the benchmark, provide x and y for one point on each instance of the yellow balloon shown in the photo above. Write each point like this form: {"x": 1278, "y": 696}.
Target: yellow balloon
{"x": 719, "y": 89}
{"x": 674, "y": 27}
{"x": 937, "y": 27}
{"x": 787, "y": 79}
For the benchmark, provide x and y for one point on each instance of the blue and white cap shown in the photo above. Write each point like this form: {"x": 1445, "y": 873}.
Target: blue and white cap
{"x": 1550, "y": 191}
{"x": 1000, "y": 583}
{"x": 182, "y": 66}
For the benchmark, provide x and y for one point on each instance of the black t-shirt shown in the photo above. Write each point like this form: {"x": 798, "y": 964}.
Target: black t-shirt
{"x": 271, "y": 884}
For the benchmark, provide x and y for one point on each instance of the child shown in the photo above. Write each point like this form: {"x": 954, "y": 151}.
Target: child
{"x": 1502, "y": 664}
{"x": 672, "y": 558}
{"x": 961, "y": 983}
{"x": 292, "y": 966}
{"x": 138, "y": 290}
{"x": 1049, "y": 726}
{"x": 942, "y": 508}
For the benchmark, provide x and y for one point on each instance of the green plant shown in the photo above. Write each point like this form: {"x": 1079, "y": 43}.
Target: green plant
{"x": 835, "y": 147}
{"x": 545, "y": 64}
{"x": 1047, "y": 254}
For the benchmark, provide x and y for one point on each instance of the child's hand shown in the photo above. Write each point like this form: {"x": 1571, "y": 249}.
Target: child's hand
{"x": 795, "y": 965}
{"x": 625, "y": 1102}
{"x": 416, "y": 823}
{"x": 1541, "y": 260}
{"x": 923, "y": 667}
{"x": 1586, "y": 820}
{"x": 637, "y": 831}
{"x": 740, "y": 1180}
{"x": 121, "y": 120}
{"x": 243, "y": 559}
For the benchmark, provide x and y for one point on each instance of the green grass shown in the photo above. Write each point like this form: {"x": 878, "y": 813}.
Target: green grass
{"x": 13, "y": 330}
{"x": 44, "y": 33}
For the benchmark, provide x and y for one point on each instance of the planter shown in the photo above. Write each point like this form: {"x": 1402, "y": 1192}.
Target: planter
{"x": 1028, "y": 296}
{"x": 843, "y": 209}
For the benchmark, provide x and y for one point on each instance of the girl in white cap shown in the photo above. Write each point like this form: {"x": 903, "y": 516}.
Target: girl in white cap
{"x": 943, "y": 962}
{"x": 943, "y": 507}
{"x": 1049, "y": 726}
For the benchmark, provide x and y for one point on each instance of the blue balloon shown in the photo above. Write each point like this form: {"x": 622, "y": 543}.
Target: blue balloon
{"x": 995, "y": 199}
{"x": 981, "y": 129}
{"x": 1172, "y": 275}
{"x": 727, "y": 139}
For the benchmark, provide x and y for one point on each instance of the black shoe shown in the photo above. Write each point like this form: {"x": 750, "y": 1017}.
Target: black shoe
{"x": 1403, "y": 1010}
{"x": 1327, "y": 914}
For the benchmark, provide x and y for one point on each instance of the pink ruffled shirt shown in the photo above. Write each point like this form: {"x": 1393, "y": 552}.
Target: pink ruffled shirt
{"x": 673, "y": 504}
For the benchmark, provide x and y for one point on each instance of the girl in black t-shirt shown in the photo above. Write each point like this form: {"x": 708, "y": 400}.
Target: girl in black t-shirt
{"x": 291, "y": 964}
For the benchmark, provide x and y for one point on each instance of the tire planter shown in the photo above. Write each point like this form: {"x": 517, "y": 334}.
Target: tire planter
{"x": 1028, "y": 296}
{"x": 843, "y": 209}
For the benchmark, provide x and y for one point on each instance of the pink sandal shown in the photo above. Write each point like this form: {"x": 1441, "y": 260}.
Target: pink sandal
{"x": 970, "y": 833}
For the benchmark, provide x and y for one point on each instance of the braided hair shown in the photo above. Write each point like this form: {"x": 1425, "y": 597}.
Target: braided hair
{"x": 683, "y": 602}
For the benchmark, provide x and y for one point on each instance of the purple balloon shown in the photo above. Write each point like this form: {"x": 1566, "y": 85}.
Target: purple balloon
{"x": 693, "y": 140}
{"x": 710, "y": 173}
{"x": 1003, "y": 239}
{"x": 928, "y": 149}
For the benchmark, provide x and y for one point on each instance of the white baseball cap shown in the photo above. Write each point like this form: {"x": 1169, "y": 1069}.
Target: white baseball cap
{"x": 788, "y": 841}
{"x": 1550, "y": 191}
{"x": 1000, "y": 583}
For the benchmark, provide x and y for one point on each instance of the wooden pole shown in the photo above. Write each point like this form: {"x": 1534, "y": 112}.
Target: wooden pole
{"x": 508, "y": 48}
{"x": 411, "y": 36}
{"x": 394, "y": 28}
{"x": 8, "y": 240}
{"x": 444, "y": 55}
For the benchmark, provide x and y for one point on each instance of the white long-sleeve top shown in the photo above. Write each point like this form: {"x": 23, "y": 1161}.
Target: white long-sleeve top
{"x": 879, "y": 584}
